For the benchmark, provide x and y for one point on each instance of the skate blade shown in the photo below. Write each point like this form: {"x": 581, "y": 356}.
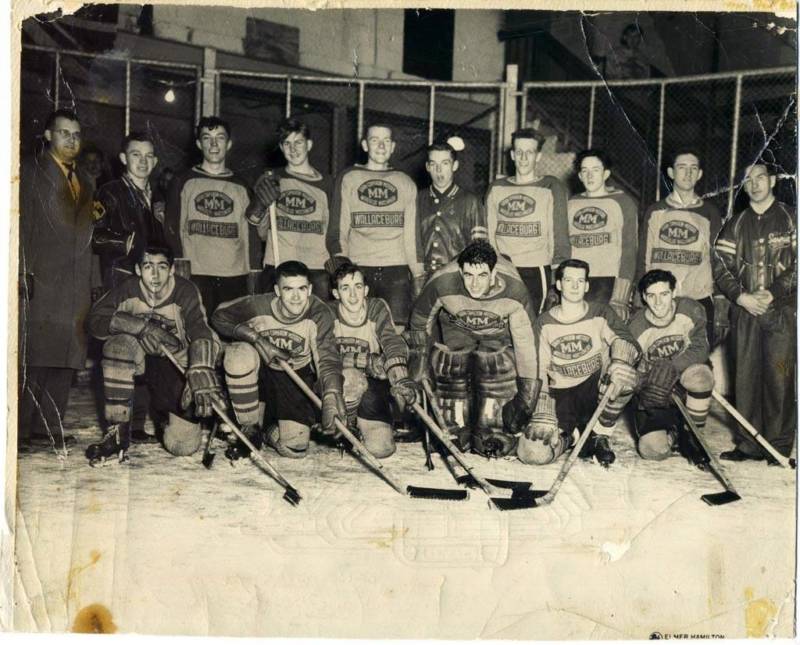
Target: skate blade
{"x": 718, "y": 499}
{"x": 101, "y": 462}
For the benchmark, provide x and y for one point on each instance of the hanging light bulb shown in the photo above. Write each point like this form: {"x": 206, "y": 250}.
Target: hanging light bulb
{"x": 169, "y": 96}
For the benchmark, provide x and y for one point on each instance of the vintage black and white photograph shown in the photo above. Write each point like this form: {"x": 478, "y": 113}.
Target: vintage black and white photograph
{"x": 340, "y": 321}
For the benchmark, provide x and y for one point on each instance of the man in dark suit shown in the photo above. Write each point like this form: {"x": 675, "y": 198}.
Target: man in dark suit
{"x": 55, "y": 281}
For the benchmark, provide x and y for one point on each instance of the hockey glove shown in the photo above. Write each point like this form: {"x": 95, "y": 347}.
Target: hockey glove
{"x": 418, "y": 348}
{"x": 151, "y": 336}
{"x": 267, "y": 188}
{"x": 517, "y": 412}
{"x": 204, "y": 387}
{"x": 620, "y": 297}
{"x": 332, "y": 407}
{"x": 375, "y": 366}
{"x": 544, "y": 424}
{"x": 266, "y": 350}
{"x": 621, "y": 372}
{"x": 404, "y": 389}
{"x": 658, "y": 386}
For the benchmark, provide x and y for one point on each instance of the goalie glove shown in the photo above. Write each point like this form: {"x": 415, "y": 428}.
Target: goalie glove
{"x": 150, "y": 335}
{"x": 517, "y": 412}
{"x": 658, "y": 386}
{"x": 203, "y": 385}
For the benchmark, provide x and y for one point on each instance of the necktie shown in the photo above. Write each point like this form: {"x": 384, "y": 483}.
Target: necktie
{"x": 72, "y": 180}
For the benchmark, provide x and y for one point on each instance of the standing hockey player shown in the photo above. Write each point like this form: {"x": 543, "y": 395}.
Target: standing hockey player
{"x": 124, "y": 219}
{"x": 205, "y": 222}
{"x": 301, "y": 195}
{"x": 583, "y": 348}
{"x": 146, "y": 312}
{"x": 450, "y": 217}
{"x": 603, "y": 232}
{"x": 756, "y": 269}
{"x": 374, "y": 223}
{"x": 484, "y": 370}
{"x": 374, "y": 357}
{"x": 527, "y": 217}
{"x": 677, "y": 233}
{"x": 293, "y": 325}
{"x": 672, "y": 334}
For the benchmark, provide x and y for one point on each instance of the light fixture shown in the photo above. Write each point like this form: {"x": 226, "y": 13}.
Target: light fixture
{"x": 169, "y": 96}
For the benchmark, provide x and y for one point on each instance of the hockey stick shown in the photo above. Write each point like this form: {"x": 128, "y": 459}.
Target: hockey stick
{"x": 766, "y": 445}
{"x": 426, "y": 438}
{"x": 546, "y": 497}
{"x": 291, "y": 494}
{"x": 208, "y": 455}
{"x": 469, "y": 479}
{"x": 712, "y": 499}
{"x": 361, "y": 450}
{"x": 273, "y": 231}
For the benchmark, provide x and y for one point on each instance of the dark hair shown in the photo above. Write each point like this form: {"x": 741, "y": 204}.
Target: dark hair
{"x": 212, "y": 123}
{"x": 378, "y": 125}
{"x": 442, "y": 146}
{"x": 592, "y": 152}
{"x": 138, "y": 135}
{"x": 771, "y": 168}
{"x": 572, "y": 263}
{"x": 684, "y": 151}
{"x": 528, "y": 133}
{"x": 290, "y": 126}
{"x": 63, "y": 114}
{"x": 154, "y": 249}
{"x": 291, "y": 269}
{"x": 478, "y": 252}
{"x": 656, "y": 275}
{"x": 344, "y": 270}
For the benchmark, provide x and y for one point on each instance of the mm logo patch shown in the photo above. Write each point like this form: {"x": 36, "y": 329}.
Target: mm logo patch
{"x": 665, "y": 347}
{"x": 377, "y": 192}
{"x": 589, "y": 219}
{"x": 572, "y": 346}
{"x": 517, "y": 205}
{"x": 296, "y": 202}
{"x": 285, "y": 339}
{"x": 479, "y": 320}
{"x": 351, "y": 345}
{"x": 680, "y": 233}
{"x": 213, "y": 203}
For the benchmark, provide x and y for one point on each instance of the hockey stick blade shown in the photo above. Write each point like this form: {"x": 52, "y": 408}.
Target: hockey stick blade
{"x": 447, "y": 494}
{"x": 516, "y": 503}
{"x": 292, "y": 496}
{"x": 208, "y": 459}
{"x": 718, "y": 499}
{"x": 469, "y": 480}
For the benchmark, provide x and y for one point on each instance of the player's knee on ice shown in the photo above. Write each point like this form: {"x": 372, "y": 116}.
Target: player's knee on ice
{"x": 655, "y": 445}
{"x": 240, "y": 360}
{"x": 182, "y": 437}
{"x": 378, "y": 437}
{"x": 290, "y": 439}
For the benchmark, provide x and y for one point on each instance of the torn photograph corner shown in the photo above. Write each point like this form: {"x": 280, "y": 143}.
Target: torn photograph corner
{"x": 400, "y": 323}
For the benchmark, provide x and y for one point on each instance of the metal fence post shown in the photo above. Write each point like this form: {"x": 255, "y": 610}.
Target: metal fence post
{"x": 127, "y": 97}
{"x": 592, "y": 99}
{"x": 360, "y": 120}
{"x": 211, "y": 82}
{"x": 57, "y": 80}
{"x": 431, "y": 113}
{"x": 288, "y": 96}
{"x": 659, "y": 154}
{"x": 737, "y": 103}
{"x": 510, "y": 117}
{"x": 198, "y": 94}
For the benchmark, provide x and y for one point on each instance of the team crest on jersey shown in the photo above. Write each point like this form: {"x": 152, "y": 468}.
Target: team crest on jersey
{"x": 517, "y": 205}
{"x": 572, "y": 346}
{"x": 377, "y": 192}
{"x": 678, "y": 232}
{"x": 589, "y": 219}
{"x": 296, "y": 202}
{"x": 213, "y": 203}
{"x": 350, "y": 345}
{"x": 777, "y": 240}
{"x": 479, "y": 320}
{"x": 285, "y": 339}
{"x": 665, "y": 347}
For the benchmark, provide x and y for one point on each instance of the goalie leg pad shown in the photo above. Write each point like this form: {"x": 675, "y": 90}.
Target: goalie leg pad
{"x": 535, "y": 452}
{"x": 123, "y": 359}
{"x": 451, "y": 371}
{"x": 378, "y": 437}
{"x": 289, "y": 438}
{"x": 655, "y": 445}
{"x": 698, "y": 381}
{"x": 241, "y": 364}
{"x": 495, "y": 385}
{"x": 182, "y": 437}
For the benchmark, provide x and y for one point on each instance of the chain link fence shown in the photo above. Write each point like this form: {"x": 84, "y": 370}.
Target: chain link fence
{"x": 730, "y": 120}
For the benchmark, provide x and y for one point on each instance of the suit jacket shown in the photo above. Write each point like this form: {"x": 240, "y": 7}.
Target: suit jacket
{"x": 55, "y": 247}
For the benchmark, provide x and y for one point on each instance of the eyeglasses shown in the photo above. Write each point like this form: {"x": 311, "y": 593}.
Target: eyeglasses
{"x": 68, "y": 135}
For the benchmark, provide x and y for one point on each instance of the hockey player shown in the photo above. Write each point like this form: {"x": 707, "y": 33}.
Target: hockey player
{"x": 582, "y": 348}
{"x": 603, "y": 225}
{"x": 484, "y": 370}
{"x": 527, "y": 217}
{"x": 374, "y": 223}
{"x": 205, "y": 222}
{"x": 155, "y": 308}
{"x": 677, "y": 233}
{"x": 294, "y": 325}
{"x": 755, "y": 265}
{"x": 450, "y": 217}
{"x": 374, "y": 357}
{"x": 672, "y": 334}
{"x": 301, "y": 195}
{"x": 124, "y": 212}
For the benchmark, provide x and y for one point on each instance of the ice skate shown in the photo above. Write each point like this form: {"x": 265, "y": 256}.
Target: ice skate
{"x": 116, "y": 442}
{"x": 598, "y": 447}
{"x": 236, "y": 447}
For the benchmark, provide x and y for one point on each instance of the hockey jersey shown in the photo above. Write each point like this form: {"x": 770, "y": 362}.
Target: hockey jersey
{"x": 682, "y": 340}
{"x": 205, "y": 223}
{"x": 504, "y": 313}
{"x": 374, "y": 218}
{"x": 677, "y": 237}
{"x": 374, "y": 334}
{"x": 302, "y": 217}
{"x": 307, "y": 338}
{"x": 570, "y": 352}
{"x": 603, "y": 232}
{"x": 528, "y": 222}
{"x": 180, "y": 311}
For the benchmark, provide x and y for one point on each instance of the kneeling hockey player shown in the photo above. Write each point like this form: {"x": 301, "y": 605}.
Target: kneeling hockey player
{"x": 293, "y": 325}
{"x": 672, "y": 334}
{"x": 136, "y": 319}
{"x": 374, "y": 357}
{"x": 485, "y": 368}
{"x": 582, "y": 347}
